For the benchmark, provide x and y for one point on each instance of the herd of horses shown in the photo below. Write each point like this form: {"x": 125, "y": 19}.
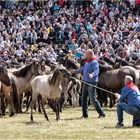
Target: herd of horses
{"x": 45, "y": 82}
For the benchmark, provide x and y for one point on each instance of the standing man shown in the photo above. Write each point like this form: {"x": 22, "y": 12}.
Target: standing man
{"x": 90, "y": 72}
{"x": 129, "y": 101}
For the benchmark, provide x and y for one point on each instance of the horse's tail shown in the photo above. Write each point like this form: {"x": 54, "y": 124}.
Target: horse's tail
{"x": 15, "y": 96}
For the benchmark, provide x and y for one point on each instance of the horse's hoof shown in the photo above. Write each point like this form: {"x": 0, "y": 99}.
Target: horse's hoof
{"x": 47, "y": 119}
{"x": 3, "y": 114}
{"x": 58, "y": 119}
{"x": 39, "y": 111}
{"x": 25, "y": 111}
{"x": 12, "y": 114}
{"x": 32, "y": 119}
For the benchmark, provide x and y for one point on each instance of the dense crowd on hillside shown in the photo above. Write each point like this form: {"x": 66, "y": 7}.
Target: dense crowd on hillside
{"x": 37, "y": 29}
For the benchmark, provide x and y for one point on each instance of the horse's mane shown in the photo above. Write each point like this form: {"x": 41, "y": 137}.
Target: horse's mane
{"x": 73, "y": 64}
{"x": 104, "y": 67}
{"x": 23, "y": 71}
{"x": 53, "y": 78}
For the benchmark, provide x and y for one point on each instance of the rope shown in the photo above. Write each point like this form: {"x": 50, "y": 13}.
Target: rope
{"x": 95, "y": 86}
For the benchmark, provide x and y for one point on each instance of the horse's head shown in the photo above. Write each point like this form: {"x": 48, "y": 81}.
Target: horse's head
{"x": 35, "y": 68}
{"x": 65, "y": 77}
{"x": 105, "y": 67}
{"x": 4, "y": 78}
{"x": 62, "y": 60}
{"x": 65, "y": 73}
{"x": 60, "y": 74}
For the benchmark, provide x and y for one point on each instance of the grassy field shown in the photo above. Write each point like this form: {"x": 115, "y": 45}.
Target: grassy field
{"x": 71, "y": 126}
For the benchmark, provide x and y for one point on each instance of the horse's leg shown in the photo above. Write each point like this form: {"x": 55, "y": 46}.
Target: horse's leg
{"x": 114, "y": 100}
{"x": 10, "y": 103}
{"x": 32, "y": 106}
{"x": 100, "y": 98}
{"x": 58, "y": 114}
{"x": 34, "y": 98}
{"x": 27, "y": 94}
{"x": 57, "y": 110}
{"x": 62, "y": 100}
{"x": 35, "y": 106}
{"x": 39, "y": 101}
{"x": 73, "y": 97}
{"x": 16, "y": 101}
{"x": 76, "y": 93}
{"x": 3, "y": 105}
{"x": 0, "y": 105}
{"x": 70, "y": 100}
{"x": 28, "y": 103}
{"x": 77, "y": 100}
{"x": 45, "y": 114}
{"x": 15, "y": 97}
{"x": 20, "y": 99}
{"x": 111, "y": 105}
{"x": 65, "y": 99}
{"x": 105, "y": 99}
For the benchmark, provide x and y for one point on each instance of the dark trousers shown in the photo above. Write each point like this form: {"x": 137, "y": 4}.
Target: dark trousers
{"x": 91, "y": 91}
{"x": 136, "y": 120}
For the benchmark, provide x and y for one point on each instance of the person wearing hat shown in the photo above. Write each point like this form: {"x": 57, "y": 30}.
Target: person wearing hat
{"x": 90, "y": 72}
{"x": 129, "y": 101}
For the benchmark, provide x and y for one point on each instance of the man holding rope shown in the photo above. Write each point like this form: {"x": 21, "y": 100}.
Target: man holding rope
{"x": 90, "y": 73}
{"x": 130, "y": 94}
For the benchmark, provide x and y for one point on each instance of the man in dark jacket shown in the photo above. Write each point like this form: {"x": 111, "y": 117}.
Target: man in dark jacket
{"x": 90, "y": 72}
{"x": 129, "y": 101}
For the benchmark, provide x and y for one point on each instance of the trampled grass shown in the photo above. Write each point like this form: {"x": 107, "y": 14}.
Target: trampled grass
{"x": 71, "y": 126}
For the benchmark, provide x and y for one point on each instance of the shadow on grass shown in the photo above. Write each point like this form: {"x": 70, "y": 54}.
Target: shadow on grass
{"x": 125, "y": 127}
{"x": 77, "y": 118}
{"x": 26, "y": 112}
{"x": 105, "y": 109}
{"x": 32, "y": 123}
{"x": 109, "y": 109}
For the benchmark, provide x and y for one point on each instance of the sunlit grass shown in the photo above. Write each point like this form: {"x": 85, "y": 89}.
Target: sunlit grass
{"x": 71, "y": 126}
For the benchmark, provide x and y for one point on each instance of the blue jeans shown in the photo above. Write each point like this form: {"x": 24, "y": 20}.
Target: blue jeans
{"x": 132, "y": 110}
{"x": 91, "y": 91}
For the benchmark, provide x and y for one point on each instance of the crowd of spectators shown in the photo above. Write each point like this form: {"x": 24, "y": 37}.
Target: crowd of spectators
{"x": 44, "y": 29}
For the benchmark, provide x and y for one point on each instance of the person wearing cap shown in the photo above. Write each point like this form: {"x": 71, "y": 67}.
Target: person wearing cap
{"x": 90, "y": 72}
{"x": 129, "y": 101}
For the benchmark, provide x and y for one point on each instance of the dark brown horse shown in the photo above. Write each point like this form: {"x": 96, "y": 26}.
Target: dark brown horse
{"x": 4, "y": 79}
{"x": 104, "y": 67}
{"x": 114, "y": 79}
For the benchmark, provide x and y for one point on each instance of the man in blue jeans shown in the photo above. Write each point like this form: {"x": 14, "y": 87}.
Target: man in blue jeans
{"x": 90, "y": 72}
{"x": 129, "y": 101}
